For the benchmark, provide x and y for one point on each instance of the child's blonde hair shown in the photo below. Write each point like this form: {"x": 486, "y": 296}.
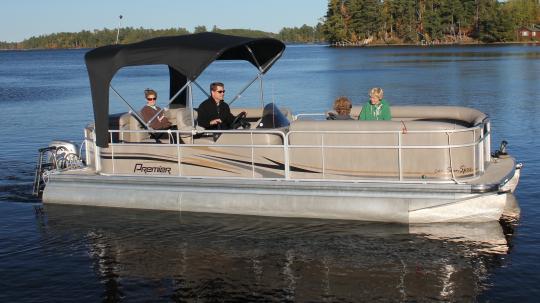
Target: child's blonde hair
{"x": 376, "y": 92}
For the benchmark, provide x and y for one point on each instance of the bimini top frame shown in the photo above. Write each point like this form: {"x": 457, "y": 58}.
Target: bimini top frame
{"x": 186, "y": 56}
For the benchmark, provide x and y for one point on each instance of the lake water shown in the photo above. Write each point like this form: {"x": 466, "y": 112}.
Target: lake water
{"x": 63, "y": 253}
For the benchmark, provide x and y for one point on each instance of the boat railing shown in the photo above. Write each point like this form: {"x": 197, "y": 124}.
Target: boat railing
{"x": 288, "y": 154}
{"x": 325, "y": 147}
{"x": 184, "y": 139}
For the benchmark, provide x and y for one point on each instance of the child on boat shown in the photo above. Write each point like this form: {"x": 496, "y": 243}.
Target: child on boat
{"x": 376, "y": 108}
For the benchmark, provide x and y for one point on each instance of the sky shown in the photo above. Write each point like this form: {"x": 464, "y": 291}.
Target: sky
{"x": 22, "y": 19}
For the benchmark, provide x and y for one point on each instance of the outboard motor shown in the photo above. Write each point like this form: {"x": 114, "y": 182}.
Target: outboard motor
{"x": 59, "y": 155}
{"x": 64, "y": 153}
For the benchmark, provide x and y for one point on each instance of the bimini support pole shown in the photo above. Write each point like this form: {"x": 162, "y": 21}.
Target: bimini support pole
{"x": 202, "y": 89}
{"x": 254, "y": 58}
{"x": 261, "y": 72}
{"x": 190, "y": 98}
{"x": 170, "y": 101}
{"x": 133, "y": 111}
{"x": 259, "y": 76}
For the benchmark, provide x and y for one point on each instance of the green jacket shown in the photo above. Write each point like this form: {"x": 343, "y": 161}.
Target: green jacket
{"x": 375, "y": 112}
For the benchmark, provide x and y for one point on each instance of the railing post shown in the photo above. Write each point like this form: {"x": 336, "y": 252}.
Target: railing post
{"x": 97, "y": 151}
{"x": 474, "y": 152}
{"x": 252, "y": 156}
{"x": 481, "y": 151}
{"x": 286, "y": 156}
{"x": 400, "y": 166}
{"x": 322, "y": 156}
{"x": 112, "y": 151}
{"x": 178, "y": 153}
{"x": 87, "y": 148}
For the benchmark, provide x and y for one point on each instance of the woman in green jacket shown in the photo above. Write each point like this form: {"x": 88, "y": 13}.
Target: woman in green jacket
{"x": 376, "y": 108}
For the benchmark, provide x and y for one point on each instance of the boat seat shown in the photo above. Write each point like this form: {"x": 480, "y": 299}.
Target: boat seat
{"x": 130, "y": 122}
{"x": 247, "y": 139}
{"x": 459, "y": 115}
{"x": 183, "y": 118}
{"x": 347, "y": 162}
{"x": 254, "y": 115}
{"x": 467, "y": 116}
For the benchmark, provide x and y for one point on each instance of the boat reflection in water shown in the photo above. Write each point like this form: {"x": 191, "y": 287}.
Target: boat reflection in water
{"x": 151, "y": 255}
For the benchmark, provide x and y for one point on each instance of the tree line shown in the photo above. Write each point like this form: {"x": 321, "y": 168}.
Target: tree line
{"x": 96, "y": 38}
{"x": 428, "y": 21}
{"x": 350, "y": 21}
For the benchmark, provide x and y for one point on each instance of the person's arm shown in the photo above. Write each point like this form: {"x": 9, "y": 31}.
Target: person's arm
{"x": 163, "y": 121}
{"x": 203, "y": 116}
{"x": 363, "y": 113}
{"x": 227, "y": 115}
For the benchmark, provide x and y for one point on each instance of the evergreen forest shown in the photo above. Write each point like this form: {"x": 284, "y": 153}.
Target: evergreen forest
{"x": 428, "y": 21}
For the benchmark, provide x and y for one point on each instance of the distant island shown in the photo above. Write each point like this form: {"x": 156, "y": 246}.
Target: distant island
{"x": 96, "y": 38}
{"x": 355, "y": 23}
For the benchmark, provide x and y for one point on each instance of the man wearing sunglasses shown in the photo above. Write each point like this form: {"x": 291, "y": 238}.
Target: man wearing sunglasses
{"x": 214, "y": 113}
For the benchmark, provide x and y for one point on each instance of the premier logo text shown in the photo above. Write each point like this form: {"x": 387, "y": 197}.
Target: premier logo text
{"x": 140, "y": 168}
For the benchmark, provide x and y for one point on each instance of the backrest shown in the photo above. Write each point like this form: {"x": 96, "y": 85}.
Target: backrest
{"x": 128, "y": 121}
{"x": 258, "y": 138}
{"x": 183, "y": 115}
{"x": 183, "y": 118}
{"x": 467, "y": 115}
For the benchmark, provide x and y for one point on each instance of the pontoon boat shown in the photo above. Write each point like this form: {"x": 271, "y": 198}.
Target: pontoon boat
{"x": 428, "y": 164}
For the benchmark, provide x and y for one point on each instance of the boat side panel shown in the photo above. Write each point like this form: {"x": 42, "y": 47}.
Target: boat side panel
{"x": 186, "y": 160}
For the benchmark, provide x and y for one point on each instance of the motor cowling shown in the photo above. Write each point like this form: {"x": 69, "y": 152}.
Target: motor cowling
{"x": 64, "y": 153}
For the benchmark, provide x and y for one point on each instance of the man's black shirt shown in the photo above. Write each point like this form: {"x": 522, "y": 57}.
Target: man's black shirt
{"x": 209, "y": 110}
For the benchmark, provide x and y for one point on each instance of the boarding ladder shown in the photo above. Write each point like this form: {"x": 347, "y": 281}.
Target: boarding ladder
{"x": 44, "y": 164}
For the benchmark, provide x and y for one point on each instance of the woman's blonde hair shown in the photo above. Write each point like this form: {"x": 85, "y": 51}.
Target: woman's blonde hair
{"x": 342, "y": 105}
{"x": 376, "y": 92}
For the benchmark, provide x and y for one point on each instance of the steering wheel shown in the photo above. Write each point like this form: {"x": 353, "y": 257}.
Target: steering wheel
{"x": 240, "y": 120}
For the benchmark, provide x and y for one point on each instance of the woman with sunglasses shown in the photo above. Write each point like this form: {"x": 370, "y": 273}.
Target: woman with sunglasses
{"x": 150, "y": 110}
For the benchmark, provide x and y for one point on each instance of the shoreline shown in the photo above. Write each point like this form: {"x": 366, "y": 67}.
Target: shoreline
{"x": 532, "y": 43}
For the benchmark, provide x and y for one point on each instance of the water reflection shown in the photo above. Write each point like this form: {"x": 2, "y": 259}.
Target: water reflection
{"x": 149, "y": 255}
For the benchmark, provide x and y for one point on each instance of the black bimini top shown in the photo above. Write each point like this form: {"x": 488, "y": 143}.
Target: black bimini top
{"x": 187, "y": 57}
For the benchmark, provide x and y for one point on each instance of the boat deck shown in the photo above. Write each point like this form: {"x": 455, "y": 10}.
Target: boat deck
{"x": 497, "y": 167}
